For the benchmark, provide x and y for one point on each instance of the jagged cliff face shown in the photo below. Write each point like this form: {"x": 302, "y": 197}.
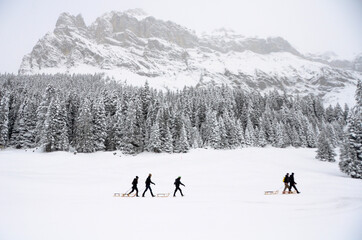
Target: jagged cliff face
{"x": 135, "y": 47}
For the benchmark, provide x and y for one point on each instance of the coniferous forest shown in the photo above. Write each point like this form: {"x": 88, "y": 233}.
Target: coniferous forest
{"x": 87, "y": 113}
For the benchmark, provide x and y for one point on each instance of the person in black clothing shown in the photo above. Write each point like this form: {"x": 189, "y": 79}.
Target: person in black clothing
{"x": 148, "y": 185}
{"x": 177, "y": 184}
{"x": 286, "y": 181}
{"x": 134, "y": 186}
{"x": 292, "y": 183}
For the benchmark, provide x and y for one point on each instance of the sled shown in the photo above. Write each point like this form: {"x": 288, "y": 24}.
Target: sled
{"x": 128, "y": 195}
{"x": 292, "y": 192}
{"x": 163, "y": 194}
{"x": 123, "y": 195}
{"x": 271, "y": 192}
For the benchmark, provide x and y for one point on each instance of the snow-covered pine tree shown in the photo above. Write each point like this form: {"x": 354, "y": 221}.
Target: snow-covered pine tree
{"x": 267, "y": 125}
{"x": 230, "y": 126}
{"x": 26, "y": 124}
{"x": 4, "y": 120}
{"x": 72, "y": 106}
{"x": 196, "y": 138}
{"x": 167, "y": 145}
{"x": 84, "y": 134}
{"x": 30, "y": 123}
{"x": 310, "y": 135}
{"x": 55, "y": 136}
{"x": 42, "y": 112}
{"x": 346, "y": 157}
{"x": 319, "y": 111}
{"x": 351, "y": 150}
{"x": 295, "y": 139}
{"x": 140, "y": 125}
{"x": 345, "y": 112}
{"x": 18, "y": 128}
{"x": 99, "y": 125}
{"x": 130, "y": 143}
{"x": 338, "y": 113}
{"x": 115, "y": 129}
{"x": 338, "y": 130}
{"x": 147, "y": 132}
{"x": 213, "y": 130}
{"x": 279, "y": 132}
{"x": 224, "y": 143}
{"x": 145, "y": 99}
{"x": 49, "y": 131}
{"x": 182, "y": 143}
{"x": 250, "y": 138}
{"x": 286, "y": 134}
{"x": 239, "y": 133}
{"x": 262, "y": 142}
{"x": 331, "y": 135}
{"x": 325, "y": 150}
{"x": 188, "y": 128}
{"x": 330, "y": 114}
{"x": 60, "y": 128}
{"x": 154, "y": 143}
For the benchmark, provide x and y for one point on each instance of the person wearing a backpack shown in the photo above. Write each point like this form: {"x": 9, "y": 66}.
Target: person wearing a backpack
{"x": 292, "y": 183}
{"x": 148, "y": 185}
{"x": 134, "y": 186}
{"x": 286, "y": 182}
{"x": 177, "y": 184}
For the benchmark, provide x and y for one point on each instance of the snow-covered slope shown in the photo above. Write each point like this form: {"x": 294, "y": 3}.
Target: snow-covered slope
{"x": 135, "y": 47}
{"x": 61, "y": 196}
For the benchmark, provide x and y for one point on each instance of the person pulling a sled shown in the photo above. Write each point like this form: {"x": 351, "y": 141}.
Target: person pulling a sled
{"x": 148, "y": 185}
{"x": 134, "y": 186}
{"x": 286, "y": 183}
{"x": 177, "y": 184}
{"x": 292, "y": 183}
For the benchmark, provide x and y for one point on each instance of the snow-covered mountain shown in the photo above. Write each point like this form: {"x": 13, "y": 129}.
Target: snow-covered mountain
{"x": 136, "y": 47}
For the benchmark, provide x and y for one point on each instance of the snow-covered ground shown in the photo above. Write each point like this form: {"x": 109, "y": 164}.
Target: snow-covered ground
{"x": 65, "y": 196}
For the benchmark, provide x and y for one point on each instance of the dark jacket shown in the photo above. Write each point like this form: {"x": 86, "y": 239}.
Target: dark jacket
{"x": 291, "y": 179}
{"x": 148, "y": 181}
{"x": 135, "y": 182}
{"x": 178, "y": 182}
{"x": 286, "y": 179}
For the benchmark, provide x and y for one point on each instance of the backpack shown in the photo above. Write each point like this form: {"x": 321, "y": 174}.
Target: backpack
{"x": 284, "y": 179}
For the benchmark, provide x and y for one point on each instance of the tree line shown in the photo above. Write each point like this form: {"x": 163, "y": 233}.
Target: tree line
{"x": 88, "y": 113}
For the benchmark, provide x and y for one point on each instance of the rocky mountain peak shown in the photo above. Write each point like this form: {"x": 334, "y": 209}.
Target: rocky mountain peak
{"x": 67, "y": 20}
{"x": 136, "y": 47}
{"x": 137, "y": 13}
{"x": 111, "y": 24}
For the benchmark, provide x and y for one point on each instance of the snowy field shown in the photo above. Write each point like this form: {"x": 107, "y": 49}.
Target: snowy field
{"x": 62, "y": 196}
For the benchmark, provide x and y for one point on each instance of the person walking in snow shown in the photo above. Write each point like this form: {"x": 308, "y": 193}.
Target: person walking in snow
{"x": 292, "y": 183}
{"x": 134, "y": 186}
{"x": 177, "y": 184}
{"x": 286, "y": 181}
{"x": 148, "y": 185}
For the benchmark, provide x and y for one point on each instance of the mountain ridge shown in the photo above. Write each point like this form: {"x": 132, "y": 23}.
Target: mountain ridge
{"x": 135, "y": 47}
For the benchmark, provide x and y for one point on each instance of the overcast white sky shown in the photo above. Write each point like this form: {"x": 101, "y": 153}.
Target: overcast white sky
{"x": 309, "y": 25}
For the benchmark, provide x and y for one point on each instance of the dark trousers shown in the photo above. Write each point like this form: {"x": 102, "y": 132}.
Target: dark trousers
{"x": 147, "y": 187}
{"x": 177, "y": 188}
{"x": 286, "y": 187}
{"x": 133, "y": 189}
{"x": 292, "y": 185}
